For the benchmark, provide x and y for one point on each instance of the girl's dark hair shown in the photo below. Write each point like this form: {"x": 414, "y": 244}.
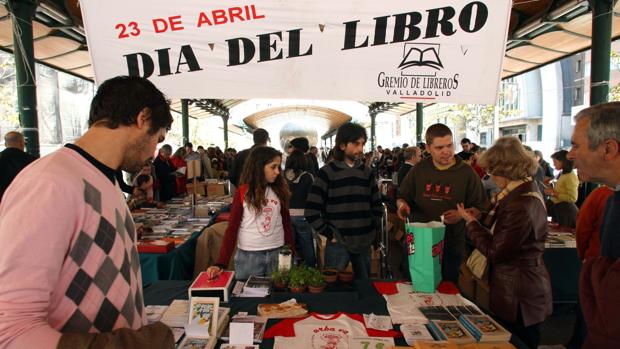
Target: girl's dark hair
{"x": 561, "y": 156}
{"x": 254, "y": 176}
{"x": 143, "y": 178}
{"x": 297, "y": 162}
{"x": 348, "y": 133}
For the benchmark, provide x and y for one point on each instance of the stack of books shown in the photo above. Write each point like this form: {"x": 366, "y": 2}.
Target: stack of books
{"x": 450, "y": 330}
{"x": 484, "y": 329}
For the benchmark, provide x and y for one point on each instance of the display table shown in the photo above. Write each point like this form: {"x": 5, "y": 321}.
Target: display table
{"x": 359, "y": 297}
{"x": 177, "y": 264}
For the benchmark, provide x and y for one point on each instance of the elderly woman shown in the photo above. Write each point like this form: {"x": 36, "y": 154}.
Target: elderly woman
{"x": 512, "y": 238}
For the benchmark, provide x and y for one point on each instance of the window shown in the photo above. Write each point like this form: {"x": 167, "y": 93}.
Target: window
{"x": 515, "y": 131}
{"x": 578, "y": 66}
{"x": 483, "y": 138}
{"x": 539, "y": 133}
{"x": 576, "y": 95}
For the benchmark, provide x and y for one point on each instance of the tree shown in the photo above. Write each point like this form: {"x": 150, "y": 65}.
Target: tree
{"x": 9, "y": 116}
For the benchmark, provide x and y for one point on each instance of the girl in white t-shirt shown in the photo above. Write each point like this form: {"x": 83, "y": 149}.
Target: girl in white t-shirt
{"x": 259, "y": 223}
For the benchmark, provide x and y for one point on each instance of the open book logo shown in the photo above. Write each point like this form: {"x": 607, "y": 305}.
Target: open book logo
{"x": 420, "y": 60}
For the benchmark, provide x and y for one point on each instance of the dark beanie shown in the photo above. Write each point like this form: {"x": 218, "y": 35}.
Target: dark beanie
{"x": 301, "y": 143}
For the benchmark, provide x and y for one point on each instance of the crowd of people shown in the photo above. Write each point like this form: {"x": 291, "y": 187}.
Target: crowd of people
{"x": 77, "y": 282}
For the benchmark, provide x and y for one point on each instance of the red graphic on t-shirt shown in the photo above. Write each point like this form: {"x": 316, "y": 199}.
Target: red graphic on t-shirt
{"x": 265, "y": 221}
{"x": 331, "y": 341}
{"x": 435, "y": 192}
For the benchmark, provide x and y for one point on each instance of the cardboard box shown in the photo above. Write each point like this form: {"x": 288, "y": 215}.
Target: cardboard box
{"x": 216, "y": 189}
{"x": 200, "y": 188}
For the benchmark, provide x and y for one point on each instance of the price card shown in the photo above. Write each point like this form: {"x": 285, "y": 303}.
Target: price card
{"x": 370, "y": 343}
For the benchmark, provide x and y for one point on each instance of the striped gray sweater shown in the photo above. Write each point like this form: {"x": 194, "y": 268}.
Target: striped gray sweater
{"x": 344, "y": 203}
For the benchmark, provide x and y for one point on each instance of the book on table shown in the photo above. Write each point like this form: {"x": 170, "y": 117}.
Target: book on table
{"x": 257, "y": 286}
{"x": 155, "y": 246}
{"x": 450, "y": 331}
{"x": 260, "y": 323}
{"x": 484, "y": 328}
{"x": 217, "y": 286}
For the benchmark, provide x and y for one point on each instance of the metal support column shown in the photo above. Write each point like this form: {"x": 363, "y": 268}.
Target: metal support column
{"x": 419, "y": 122}
{"x": 185, "y": 119}
{"x": 225, "y": 120}
{"x": 602, "y": 15}
{"x": 373, "y": 124}
{"x": 22, "y": 15}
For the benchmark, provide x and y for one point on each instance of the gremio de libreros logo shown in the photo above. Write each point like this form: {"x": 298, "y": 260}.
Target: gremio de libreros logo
{"x": 419, "y": 74}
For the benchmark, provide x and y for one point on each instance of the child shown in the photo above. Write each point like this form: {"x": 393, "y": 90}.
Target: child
{"x": 140, "y": 197}
{"x": 260, "y": 223}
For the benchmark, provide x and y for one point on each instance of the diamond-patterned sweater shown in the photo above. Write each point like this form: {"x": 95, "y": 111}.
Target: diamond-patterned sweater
{"x": 68, "y": 261}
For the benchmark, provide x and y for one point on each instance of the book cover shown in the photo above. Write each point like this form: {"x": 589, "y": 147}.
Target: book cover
{"x": 436, "y": 312}
{"x": 453, "y": 331}
{"x": 155, "y": 246}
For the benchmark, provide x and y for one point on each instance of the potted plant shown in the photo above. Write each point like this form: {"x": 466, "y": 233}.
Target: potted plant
{"x": 316, "y": 282}
{"x": 345, "y": 276}
{"x": 330, "y": 275}
{"x": 280, "y": 278}
{"x": 298, "y": 279}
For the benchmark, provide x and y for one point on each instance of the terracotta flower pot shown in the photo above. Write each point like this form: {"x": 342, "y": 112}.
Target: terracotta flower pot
{"x": 330, "y": 275}
{"x": 279, "y": 284}
{"x": 345, "y": 276}
{"x": 298, "y": 289}
{"x": 316, "y": 289}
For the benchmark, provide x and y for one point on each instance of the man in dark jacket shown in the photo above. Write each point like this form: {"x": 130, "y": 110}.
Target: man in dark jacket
{"x": 164, "y": 171}
{"x": 434, "y": 187}
{"x": 13, "y": 159}
{"x": 261, "y": 138}
{"x": 411, "y": 156}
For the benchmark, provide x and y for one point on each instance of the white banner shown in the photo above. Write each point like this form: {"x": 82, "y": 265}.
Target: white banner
{"x": 363, "y": 50}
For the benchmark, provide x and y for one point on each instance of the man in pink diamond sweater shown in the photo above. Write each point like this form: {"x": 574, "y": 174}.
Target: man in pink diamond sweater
{"x": 69, "y": 268}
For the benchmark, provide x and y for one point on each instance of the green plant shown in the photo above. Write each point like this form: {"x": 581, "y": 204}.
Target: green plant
{"x": 316, "y": 278}
{"x": 298, "y": 276}
{"x": 281, "y": 276}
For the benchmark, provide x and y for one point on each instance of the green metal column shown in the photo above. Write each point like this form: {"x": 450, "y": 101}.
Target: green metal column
{"x": 225, "y": 120}
{"x": 185, "y": 119}
{"x": 22, "y": 16}
{"x": 419, "y": 121}
{"x": 602, "y": 15}
{"x": 373, "y": 124}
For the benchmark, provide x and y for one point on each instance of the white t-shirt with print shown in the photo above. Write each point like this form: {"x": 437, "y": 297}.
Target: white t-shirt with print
{"x": 262, "y": 230}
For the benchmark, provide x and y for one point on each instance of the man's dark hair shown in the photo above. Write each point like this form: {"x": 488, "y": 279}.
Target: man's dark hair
{"x": 167, "y": 148}
{"x": 348, "y": 133}
{"x": 200, "y": 147}
{"x": 120, "y": 100}
{"x": 465, "y": 141}
{"x": 465, "y": 156}
{"x": 189, "y": 145}
{"x": 561, "y": 156}
{"x": 436, "y": 131}
{"x": 143, "y": 178}
{"x": 260, "y": 136}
